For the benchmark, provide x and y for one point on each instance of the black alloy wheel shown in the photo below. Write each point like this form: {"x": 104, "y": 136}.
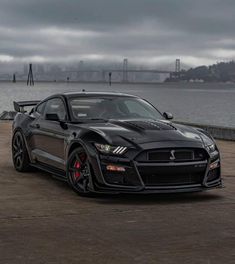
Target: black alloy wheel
{"x": 20, "y": 155}
{"x": 78, "y": 171}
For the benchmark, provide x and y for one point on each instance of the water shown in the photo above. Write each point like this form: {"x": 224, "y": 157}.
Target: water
{"x": 192, "y": 102}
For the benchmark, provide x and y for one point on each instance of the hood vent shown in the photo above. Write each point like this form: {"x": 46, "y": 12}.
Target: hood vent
{"x": 150, "y": 125}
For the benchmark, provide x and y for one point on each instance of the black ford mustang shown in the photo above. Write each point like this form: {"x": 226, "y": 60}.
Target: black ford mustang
{"x": 115, "y": 143}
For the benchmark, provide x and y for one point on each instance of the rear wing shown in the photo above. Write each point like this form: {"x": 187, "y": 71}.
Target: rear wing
{"x": 19, "y": 106}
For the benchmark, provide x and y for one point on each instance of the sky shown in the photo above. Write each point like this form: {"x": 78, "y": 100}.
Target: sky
{"x": 148, "y": 32}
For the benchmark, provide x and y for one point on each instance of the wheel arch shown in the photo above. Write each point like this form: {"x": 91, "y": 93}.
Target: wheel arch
{"x": 73, "y": 146}
{"x": 81, "y": 139}
{"x": 80, "y": 144}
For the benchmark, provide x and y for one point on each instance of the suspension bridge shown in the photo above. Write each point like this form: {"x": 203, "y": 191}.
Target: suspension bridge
{"x": 123, "y": 74}
{"x": 173, "y": 70}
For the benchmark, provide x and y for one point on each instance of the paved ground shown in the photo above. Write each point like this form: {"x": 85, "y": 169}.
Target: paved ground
{"x": 43, "y": 221}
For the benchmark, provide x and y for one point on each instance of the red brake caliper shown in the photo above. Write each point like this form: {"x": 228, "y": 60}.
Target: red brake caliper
{"x": 77, "y": 165}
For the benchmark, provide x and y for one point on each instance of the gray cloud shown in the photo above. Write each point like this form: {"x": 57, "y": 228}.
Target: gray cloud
{"x": 150, "y": 31}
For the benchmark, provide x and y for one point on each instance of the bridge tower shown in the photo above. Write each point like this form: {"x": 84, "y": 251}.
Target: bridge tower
{"x": 125, "y": 70}
{"x": 177, "y": 66}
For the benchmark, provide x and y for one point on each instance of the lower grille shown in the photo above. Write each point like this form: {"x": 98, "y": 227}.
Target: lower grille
{"x": 172, "y": 179}
{"x": 166, "y": 176}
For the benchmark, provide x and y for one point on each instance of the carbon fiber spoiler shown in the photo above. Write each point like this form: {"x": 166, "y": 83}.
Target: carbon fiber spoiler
{"x": 19, "y": 106}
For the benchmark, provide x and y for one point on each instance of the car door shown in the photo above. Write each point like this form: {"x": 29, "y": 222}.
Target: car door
{"x": 48, "y": 137}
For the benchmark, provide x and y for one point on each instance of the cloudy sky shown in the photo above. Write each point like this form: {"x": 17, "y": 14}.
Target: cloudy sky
{"x": 146, "y": 31}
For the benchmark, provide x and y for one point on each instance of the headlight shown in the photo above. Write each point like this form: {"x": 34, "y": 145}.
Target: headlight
{"x": 209, "y": 144}
{"x": 108, "y": 149}
{"x": 211, "y": 148}
{"x": 212, "y": 151}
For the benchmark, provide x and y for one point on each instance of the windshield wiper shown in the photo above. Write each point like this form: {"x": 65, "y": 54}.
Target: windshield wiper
{"x": 84, "y": 120}
{"x": 98, "y": 119}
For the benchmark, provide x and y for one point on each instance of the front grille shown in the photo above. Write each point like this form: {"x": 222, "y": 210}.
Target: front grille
{"x": 172, "y": 155}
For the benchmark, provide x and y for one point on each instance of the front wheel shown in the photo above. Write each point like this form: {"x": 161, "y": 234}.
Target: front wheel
{"x": 78, "y": 171}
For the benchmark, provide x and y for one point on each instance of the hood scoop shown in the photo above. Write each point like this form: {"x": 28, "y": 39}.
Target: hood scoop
{"x": 150, "y": 125}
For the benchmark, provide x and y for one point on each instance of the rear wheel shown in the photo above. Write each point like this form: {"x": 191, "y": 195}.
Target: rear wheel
{"x": 20, "y": 155}
{"x": 78, "y": 171}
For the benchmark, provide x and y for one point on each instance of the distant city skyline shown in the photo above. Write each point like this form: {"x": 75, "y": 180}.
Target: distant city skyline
{"x": 13, "y": 67}
{"x": 87, "y": 71}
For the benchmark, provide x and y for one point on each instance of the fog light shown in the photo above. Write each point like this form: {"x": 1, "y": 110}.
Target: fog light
{"x": 214, "y": 165}
{"x": 115, "y": 168}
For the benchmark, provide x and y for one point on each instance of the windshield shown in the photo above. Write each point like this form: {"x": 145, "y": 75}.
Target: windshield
{"x": 112, "y": 108}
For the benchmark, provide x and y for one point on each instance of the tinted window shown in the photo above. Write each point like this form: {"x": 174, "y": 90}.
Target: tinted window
{"x": 113, "y": 108}
{"x": 40, "y": 109}
{"x": 56, "y": 106}
{"x": 85, "y": 107}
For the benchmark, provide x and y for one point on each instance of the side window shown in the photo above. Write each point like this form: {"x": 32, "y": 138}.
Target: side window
{"x": 40, "y": 109}
{"x": 56, "y": 106}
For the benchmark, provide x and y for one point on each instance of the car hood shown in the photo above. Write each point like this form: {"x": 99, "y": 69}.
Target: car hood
{"x": 144, "y": 131}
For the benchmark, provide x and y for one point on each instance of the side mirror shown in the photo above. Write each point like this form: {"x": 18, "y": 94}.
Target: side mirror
{"x": 52, "y": 117}
{"x": 168, "y": 115}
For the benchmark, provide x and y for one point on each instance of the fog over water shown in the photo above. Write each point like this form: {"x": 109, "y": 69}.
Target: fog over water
{"x": 201, "y": 103}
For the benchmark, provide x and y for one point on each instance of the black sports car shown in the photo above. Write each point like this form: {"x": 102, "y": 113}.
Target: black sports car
{"x": 113, "y": 142}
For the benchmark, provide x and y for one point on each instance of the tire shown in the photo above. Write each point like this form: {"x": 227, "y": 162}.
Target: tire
{"x": 79, "y": 172}
{"x": 20, "y": 155}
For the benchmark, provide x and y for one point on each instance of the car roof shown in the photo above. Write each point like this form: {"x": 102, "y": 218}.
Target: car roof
{"x": 95, "y": 94}
{"x": 84, "y": 94}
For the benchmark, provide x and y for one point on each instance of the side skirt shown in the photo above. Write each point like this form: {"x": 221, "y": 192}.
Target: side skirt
{"x": 56, "y": 173}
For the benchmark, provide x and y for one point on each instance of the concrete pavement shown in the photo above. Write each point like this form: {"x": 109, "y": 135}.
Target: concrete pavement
{"x": 43, "y": 221}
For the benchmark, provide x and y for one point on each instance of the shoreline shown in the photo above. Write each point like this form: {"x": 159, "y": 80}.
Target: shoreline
{"x": 117, "y": 82}
{"x": 218, "y": 132}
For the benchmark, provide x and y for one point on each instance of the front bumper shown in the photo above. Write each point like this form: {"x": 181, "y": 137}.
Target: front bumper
{"x": 142, "y": 177}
